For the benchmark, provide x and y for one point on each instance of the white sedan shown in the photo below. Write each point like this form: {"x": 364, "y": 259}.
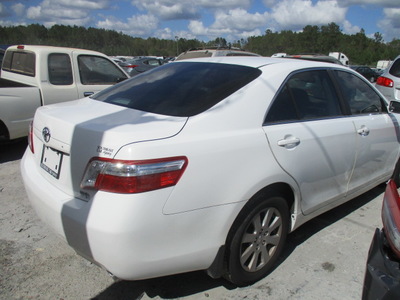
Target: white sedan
{"x": 207, "y": 164}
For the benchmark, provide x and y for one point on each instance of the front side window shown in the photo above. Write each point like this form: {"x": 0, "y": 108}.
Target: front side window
{"x": 60, "y": 69}
{"x": 358, "y": 95}
{"x": 97, "y": 70}
{"x": 179, "y": 89}
{"x": 306, "y": 95}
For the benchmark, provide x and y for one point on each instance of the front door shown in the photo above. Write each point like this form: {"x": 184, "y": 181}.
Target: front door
{"x": 377, "y": 131}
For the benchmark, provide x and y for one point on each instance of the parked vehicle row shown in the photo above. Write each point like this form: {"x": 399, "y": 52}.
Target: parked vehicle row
{"x": 136, "y": 66}
{"x": 382, "y": 274}
{"x": 33, "y": 76}
{"x": 207, "y": 164}
{"x": 367, "y": 72}
{"x": 389, "y": 82}
{"x": 214, "y": 52}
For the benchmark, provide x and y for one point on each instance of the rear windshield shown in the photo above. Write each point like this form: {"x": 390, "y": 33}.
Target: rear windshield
{"x": 22, "y": 62}
{"x": 179, "y": 89}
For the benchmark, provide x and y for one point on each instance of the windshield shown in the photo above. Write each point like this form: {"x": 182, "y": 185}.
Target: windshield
{"x": 179, "y": 89}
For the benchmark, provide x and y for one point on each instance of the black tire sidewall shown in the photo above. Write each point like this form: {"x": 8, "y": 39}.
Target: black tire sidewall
{"x": 236, "y": 273}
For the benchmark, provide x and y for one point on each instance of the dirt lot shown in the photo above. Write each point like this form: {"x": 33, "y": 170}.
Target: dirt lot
{"x": 324, "y": 259}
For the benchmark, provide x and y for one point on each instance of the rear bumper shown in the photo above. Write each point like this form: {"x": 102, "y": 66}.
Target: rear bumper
{"x": 128, "y": 235}
{"x": 382, "y": 275}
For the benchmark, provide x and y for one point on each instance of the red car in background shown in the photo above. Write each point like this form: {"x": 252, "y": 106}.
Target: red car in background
{"x": 382, "y": 276}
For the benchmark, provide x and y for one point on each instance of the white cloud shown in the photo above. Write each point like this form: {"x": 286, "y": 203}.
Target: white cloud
{"x": 239, "y": 19}
{"x": 169, "y": 10}
{"x": 295, "y": 14}
{"x": 226, "y": 4}
{"x": 234, "y": 24}
{"x": 390, "y": 24}
{"x": 84, "y": 4}
{"x": 348, "y": 28}
{"x": 139, "y": 25}
{"x": 382, "y": 3}
{"x": 66, "y": 12}
{"x": 197, "y": 28}
{"x": 19, "y": 9}
{"x": 165, "y": 33}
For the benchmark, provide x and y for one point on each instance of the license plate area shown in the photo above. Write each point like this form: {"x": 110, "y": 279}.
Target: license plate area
{"x": 51, "y": 161}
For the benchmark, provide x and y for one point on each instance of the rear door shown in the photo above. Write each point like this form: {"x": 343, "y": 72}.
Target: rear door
{"x": 311, "y": 139}
{"x": 59, "y": 85}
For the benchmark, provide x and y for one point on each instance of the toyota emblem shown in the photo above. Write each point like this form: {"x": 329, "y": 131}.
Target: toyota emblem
{"x": 46, "y": 134}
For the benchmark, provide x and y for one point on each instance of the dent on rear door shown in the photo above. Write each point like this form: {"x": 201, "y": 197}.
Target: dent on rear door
{"x": 311, "y": 140}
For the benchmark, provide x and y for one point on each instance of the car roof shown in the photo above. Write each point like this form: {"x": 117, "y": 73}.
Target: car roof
{"x": 316, "y": 57}
{"x": 257, "y": 62}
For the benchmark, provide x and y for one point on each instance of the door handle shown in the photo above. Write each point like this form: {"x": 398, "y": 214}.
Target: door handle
{"x": 87, "y": 94}
{"x": 363, "y": 131}
{"x": 289, "y": 142}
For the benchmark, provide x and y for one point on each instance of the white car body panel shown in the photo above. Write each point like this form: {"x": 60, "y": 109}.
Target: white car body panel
{"x": 377, "y": 148}
{"x": 90, "y": 228}
{"x": 23, "y": 109}
{"x": 335, "y": 164}
{"x": 231, "y": 157}
{"x": 391, "y": 93}
{"x": 106, "y": 133}
{"x": 19, "y": 103}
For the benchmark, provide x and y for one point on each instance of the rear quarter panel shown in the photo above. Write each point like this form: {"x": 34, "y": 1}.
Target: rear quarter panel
{"x": 17, "y": 108}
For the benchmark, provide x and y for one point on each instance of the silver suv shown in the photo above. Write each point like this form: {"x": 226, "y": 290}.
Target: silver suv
{"x": 211, "y": 52}
{"x": 389, "y": 82}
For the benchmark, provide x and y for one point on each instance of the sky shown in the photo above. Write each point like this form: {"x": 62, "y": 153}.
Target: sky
{"x": 207, "y": 19}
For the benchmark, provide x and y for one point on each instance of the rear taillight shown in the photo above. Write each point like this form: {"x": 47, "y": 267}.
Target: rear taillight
{"x": 391, "y": 217}
{"x": 384, "y": 81}
{"x": 132, "y": 66}
{"x": 30, "y": 137}
{"x": 126, "y": 177}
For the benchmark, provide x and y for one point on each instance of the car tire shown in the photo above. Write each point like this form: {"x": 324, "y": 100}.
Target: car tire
{"x": 257, "y": 239}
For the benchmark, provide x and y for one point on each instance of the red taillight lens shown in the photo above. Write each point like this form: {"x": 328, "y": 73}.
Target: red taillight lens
{"x": 128, "y": 177}
{"x": 384, "y": 81}
{"x": 30, "y": 138}
{"x": 391, "y": 216}
{"x": 132, "y": 66}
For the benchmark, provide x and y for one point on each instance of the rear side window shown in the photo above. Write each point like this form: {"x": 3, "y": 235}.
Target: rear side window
{"x": 60, "y": 69}
{"x": 358, "y": 95}
{"x": 395, "y": 68}
{"x": 22, "y": 62}
{"x": 180, "y": 89}
{"x": 306, "y": 95}
{"x": 97, "y": 70}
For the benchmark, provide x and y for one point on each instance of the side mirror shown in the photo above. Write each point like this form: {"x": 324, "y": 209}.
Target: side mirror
{"x": 394, "y": 106}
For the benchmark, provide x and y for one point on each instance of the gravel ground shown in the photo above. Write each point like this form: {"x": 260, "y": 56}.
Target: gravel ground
{"x": 324, "y": 259}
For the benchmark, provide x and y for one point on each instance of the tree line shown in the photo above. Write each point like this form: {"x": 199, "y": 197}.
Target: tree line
{"x": 312, "y": 39}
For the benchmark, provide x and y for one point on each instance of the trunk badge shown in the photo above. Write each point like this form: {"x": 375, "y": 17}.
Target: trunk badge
{"x": 46, "y": 134}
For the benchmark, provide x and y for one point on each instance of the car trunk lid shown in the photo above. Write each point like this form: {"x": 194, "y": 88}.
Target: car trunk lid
{"x": 65, "y": 140}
